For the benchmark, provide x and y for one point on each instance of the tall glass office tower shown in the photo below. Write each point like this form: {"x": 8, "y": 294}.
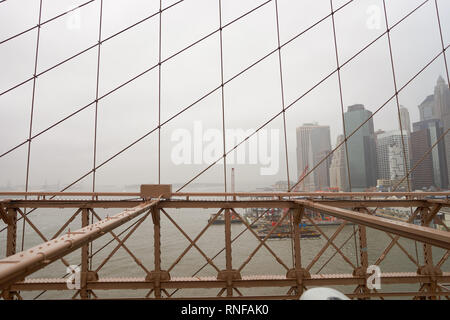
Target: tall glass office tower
{"x": 361, "y": 148}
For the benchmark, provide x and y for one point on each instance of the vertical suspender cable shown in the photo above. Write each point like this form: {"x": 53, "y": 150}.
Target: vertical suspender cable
{"x": 388, "y": 32}
{"x": 31, "y": 115}
{"x": 223, "y": 98}
{"x": 282, "y": 94}
{"x": 284, "y": 122}
{"x": 97, "y": 94}
{"x": 100, "y": 23}
{"x": 159, "y": 92}
{"x": 341, "y": 97}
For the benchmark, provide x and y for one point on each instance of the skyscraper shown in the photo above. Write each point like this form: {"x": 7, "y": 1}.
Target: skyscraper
{"x": 436, "y": 107}
{"x": 432, "y": 171}
{"x": 427, "y": 109}
{"x": 338, "y": 167}
{"x": 422, "y": 176}
{"x": 442, "y": 105}
{"x": 405, "y": 119}
{"x": 313, "y": 144}
{"x": 361, "y": 148}
{"x": 390, "y": 152}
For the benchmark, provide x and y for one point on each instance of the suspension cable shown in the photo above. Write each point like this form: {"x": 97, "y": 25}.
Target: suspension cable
{"x": 96, "y": 94}
{"x": 126, "y": 82}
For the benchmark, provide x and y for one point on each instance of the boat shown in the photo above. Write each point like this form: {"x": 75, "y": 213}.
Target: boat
{"x": 221, "y": 219}
{"x": 284, "y": 231}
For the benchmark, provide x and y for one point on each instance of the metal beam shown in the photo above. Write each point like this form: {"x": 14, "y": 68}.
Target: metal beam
{"x": 76, "y": 204}
{"x": 230, "y": 204}
{"x": 250, "y": 281}
{"x": 3, "y": 214}
{"x": 363, "y": 195}
{"x": 423, "y": 234}
{"x": 18, "y": 266}
{"x": 344, "y": 203}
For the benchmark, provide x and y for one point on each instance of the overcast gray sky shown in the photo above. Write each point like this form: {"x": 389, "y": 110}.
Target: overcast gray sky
{"x": 65, "y": 153}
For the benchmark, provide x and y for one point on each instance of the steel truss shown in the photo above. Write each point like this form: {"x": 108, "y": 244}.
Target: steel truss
{"x": 358, "y": 208}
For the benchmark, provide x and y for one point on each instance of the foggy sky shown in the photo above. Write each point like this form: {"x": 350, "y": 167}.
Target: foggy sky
{"x": 65, "y": 153}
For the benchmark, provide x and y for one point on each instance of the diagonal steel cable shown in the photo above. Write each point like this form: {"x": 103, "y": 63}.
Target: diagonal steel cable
{"x": 191, "y": 105}
{"x": 440, "y": 138}
{"x": 40, "y": 24}
{"x": 129, "y": 80}
{"x": 89, "y": 48}
{"x": 347, "y": 61}
{"x": 244, "y": 70}
{"x": 298, "y": 99}
{"x": 373, "y": 114}
{"x": 316, "y": 85}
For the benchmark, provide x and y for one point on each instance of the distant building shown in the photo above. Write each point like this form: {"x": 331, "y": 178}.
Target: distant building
{"x": 433, "y": 170}
{"x": 313, "y": 144}
{"x": 378, "y": 132}
{"x": 422, "y": 176}
{"x": 384, "y": 185}
{"x": 390, "y": 156}
{"x": 442, "y": 106}
{"x": 281, "y": 186}
{"x": 338, "y": 167}
{"x": 405, "y": 120}
{"x": 427, "y": 109}
{"x": 437, "y": 107}
{"x": 397, "y": 167}
{"x": 361, "y": 148}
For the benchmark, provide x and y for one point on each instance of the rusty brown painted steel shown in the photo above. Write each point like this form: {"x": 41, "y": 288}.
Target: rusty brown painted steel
{"x": 24, "y": 263}
{"x": 339, "y": 195}
{"x": 250, "y": 281}
{"x": 431, "y": 236}
{"x": 122, "y": 244}
{"x": 395, "y": 240}
{"x": 210, "y": 204}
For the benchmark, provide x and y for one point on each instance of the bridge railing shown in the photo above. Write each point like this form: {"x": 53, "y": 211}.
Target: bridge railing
{"x": 303, "y": 240}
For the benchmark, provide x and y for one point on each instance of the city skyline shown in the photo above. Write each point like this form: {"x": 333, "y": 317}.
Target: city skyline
{"x": 384, "y": 166}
